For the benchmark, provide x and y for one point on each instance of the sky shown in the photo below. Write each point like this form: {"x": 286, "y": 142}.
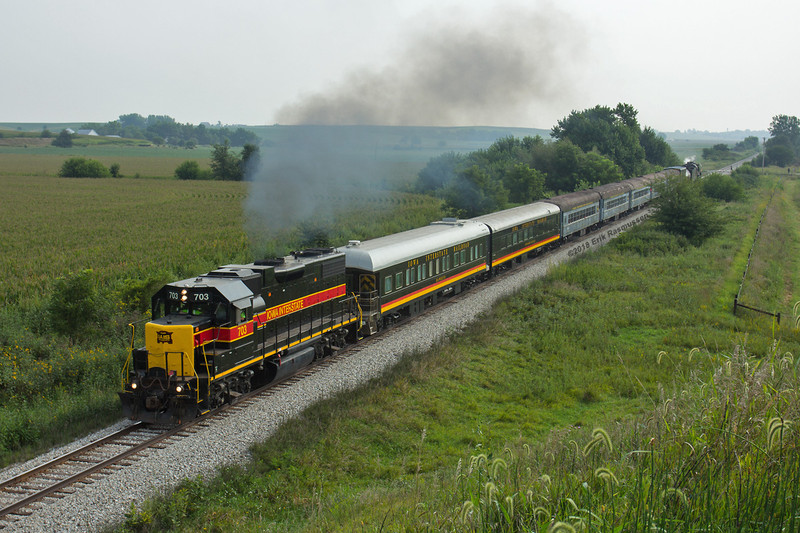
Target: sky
{"x": 683, "y": 64}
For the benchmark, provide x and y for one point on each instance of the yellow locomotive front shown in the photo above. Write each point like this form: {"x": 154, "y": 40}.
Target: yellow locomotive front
{"x": 164, "y": 384}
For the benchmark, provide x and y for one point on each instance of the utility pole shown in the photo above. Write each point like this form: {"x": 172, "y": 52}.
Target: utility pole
{"x": 764, "y": 154}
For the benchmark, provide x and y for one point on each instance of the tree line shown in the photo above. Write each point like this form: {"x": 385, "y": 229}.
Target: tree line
{"x": 592, "y": 147}
{"x": 161, "y": 129}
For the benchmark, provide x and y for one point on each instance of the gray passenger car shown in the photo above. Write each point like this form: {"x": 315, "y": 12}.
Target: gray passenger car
{"x": 580, "y": 210}
{"x": 615, "y": 199}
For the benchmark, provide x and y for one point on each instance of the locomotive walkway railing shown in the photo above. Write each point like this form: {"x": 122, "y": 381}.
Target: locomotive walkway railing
{"x": 736, "y": 303}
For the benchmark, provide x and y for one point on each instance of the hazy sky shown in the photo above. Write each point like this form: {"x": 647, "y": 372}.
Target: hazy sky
{"x": 683, "y": 64}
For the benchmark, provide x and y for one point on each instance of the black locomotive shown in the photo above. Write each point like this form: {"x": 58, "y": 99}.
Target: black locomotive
{"x": 214, "y": 337}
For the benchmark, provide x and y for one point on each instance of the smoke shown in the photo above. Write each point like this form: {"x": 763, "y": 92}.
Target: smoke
{"x": 500, "y": 70}
{"x": 311, "y": 174}
{"x": 512, "y": 63}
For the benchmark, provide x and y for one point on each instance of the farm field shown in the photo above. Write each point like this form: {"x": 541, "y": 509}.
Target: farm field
{"x": 492, "y": 427}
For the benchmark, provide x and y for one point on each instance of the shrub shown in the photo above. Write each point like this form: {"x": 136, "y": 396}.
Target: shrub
{"x": 190, "y": 170}
{"x": 722, "y": 187}
{"x": 683, "y": 209}
{"x": 114, "y": 169}
{"x": 746, "y": 175}
{"x": 75, "y": 305}
{"x": 647, "y": 241}
{"x": 80, "y": 167}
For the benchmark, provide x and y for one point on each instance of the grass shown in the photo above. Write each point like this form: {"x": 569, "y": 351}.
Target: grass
{"x": 602, "y": 342}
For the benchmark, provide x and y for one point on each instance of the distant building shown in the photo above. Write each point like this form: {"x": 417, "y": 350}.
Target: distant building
{"x": 87, "y": 132}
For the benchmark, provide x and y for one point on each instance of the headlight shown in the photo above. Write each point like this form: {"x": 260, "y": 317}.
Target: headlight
{"x": 178, "y": 389}
{"x": 134, "y": 385}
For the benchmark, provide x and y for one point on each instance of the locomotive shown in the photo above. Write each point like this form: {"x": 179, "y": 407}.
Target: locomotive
{"x": 214, "y": 337}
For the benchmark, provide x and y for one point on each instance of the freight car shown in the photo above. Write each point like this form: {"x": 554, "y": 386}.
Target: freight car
{"x": 215, "y": 336}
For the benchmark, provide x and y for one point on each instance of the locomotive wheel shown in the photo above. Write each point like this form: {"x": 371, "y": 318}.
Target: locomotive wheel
{"x": 218, "y": 395}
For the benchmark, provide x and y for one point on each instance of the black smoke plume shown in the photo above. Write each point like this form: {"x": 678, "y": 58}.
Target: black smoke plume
{"x": 509, "y": 64}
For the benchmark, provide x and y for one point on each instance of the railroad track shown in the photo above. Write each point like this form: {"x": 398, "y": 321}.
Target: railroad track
{"x": 20, "y": 495}
{"x": 23, "y": 494}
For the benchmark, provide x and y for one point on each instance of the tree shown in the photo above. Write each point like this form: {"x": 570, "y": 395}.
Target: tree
{"x": 614, "y": 133}
{"x": 63, "y": 140}
{"x": 224, "y": 163}
{"x": 749, "y": 143}
{"x": 779, "y": 154}
{"x": 784, "y": 143}
{"x": 656, "y": 149}
{"x": 439, "y": 171}
{"x": 250, "y": 159}
{"x": 474, "y": 193}
{"x": 114, "y": 170}
{"x": 785, "y": 126}
{"x": 524, "y": 184}
{"x": 683, "y": 209}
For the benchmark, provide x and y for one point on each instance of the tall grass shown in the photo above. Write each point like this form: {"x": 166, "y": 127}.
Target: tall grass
{"x": 719, "y": 453}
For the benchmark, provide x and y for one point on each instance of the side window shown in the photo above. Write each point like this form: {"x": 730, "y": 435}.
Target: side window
{"x": 398, "y": 280}
{"x": 388, "y": 284}
{"x": 221, "y": 314}
{"x": 420, "y": 275}
{"x": 463, "y": 256}
{"x": 424, "y": 271}
{"x": 438, "y": 265}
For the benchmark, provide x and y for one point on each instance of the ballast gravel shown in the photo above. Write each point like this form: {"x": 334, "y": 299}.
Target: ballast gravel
{"x": 108, "y": 498}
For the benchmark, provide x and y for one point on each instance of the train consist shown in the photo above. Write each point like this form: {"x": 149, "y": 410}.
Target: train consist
{"x": 214, "y": 337}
